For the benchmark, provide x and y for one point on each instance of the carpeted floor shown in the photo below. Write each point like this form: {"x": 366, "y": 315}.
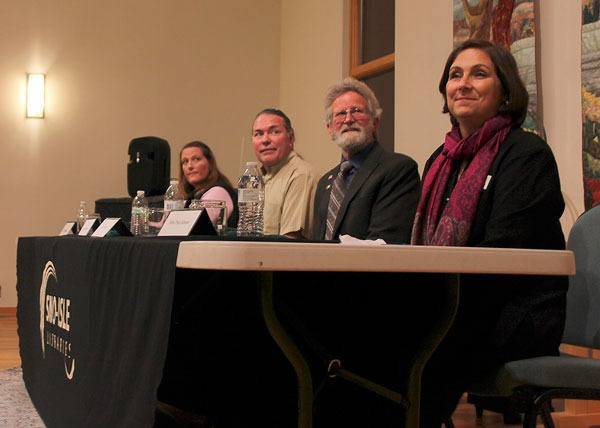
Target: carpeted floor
{"x": 16, "y": 409}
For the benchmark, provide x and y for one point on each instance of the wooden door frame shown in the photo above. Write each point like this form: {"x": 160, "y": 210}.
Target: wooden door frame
{"x": 371, "y": 68}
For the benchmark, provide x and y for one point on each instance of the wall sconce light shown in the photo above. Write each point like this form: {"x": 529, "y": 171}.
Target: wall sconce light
{"x": 35, "y": 95}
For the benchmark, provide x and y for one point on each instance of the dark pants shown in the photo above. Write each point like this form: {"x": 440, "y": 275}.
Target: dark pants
{"x": 221, "y": 361}
{"x": 373, "y": 323}
{"x": 493, "y": 326}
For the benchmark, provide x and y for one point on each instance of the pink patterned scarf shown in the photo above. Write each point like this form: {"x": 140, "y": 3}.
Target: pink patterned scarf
{"x": 451, "y": 227}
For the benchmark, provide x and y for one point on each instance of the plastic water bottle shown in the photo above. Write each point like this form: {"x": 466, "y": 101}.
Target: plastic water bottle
{"x": 81, "y": 215}
{"x": 251, "y": 201}
{"x": 173, "y": 200}
{"x": 139, "y": 214}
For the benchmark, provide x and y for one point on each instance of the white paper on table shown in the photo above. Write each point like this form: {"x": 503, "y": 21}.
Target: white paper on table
{"x": 87, "y": 226}
{"x": 67, "y": 228}
{"x": 105, "y": 227}
{"x": 180, "y": 223}
{"x": 351, "y": 240}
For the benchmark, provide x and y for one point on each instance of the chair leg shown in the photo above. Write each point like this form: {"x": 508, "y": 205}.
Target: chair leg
{"x": 544, "y": 410}
{"x": 530, "y": 418}
{"x": 479, "y": 411}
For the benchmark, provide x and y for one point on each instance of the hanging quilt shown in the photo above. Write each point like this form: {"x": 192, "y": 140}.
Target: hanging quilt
{"x": 590, "y": 100}
{"x": 509, "y": 23}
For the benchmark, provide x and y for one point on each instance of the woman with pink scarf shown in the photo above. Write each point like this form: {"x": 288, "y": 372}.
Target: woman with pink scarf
{"x": 491, "y": 184}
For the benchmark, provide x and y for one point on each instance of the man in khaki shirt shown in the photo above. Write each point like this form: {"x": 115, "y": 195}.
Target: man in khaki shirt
{"x": 290, "y": 181}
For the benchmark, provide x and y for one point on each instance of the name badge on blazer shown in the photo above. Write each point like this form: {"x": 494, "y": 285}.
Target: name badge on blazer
{"x": 487, "y": 182}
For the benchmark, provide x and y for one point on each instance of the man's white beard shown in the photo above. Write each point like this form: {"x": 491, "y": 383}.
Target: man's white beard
{"x": 353, "y": 142}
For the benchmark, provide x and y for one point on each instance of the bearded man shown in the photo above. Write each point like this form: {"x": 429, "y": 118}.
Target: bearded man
{"x": 372, "y": 193}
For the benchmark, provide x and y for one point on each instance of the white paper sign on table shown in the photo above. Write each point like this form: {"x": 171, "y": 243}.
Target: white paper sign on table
{"x": 87, "y": 226}
{"x": 105, "y": 227}
{"x": 67, "y": 228}
{"x": 180, "y": 223}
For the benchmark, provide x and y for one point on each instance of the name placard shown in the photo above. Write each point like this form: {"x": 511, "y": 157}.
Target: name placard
{"x": 88, "y": 226}
{"x": 68, "y": 229}
{"x": 112, "y": 226}
{"x": 187, "y": 222}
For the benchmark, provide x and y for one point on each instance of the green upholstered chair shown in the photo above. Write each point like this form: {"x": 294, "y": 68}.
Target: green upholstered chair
{"x": 531, "y": 384}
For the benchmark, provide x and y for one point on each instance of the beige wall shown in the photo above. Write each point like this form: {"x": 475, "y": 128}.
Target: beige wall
{"x": 116, "y": 70}
{"x": 424, "y": 40}
{"x": 560, "y": 29}
{"x": 313, "y": 57}
{"x": 202, "y": 69}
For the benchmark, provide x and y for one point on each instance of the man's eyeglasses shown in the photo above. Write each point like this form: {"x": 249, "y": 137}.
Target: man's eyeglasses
{"x": 356, "y": 112}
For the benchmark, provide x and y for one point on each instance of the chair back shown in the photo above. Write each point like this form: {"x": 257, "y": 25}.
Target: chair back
{"x": 583, "y": 298}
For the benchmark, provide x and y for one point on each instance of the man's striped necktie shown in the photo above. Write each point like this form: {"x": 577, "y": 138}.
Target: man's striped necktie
{"x": 338, "y": 189}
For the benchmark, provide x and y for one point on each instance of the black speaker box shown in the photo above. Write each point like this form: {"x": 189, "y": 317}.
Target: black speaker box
{"x": 149, "y": 166}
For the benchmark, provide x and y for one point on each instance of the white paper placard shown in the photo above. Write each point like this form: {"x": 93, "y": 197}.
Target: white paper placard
{"x": 105, "y": 227}
{"x": 67, "y": 228}
{"x": 85, "y": 229}
{"x": 180, "y": 223}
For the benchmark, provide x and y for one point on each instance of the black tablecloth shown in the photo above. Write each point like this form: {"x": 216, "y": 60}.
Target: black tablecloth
{"x": 93, "y": 323}
{"x": 94, "y": 326}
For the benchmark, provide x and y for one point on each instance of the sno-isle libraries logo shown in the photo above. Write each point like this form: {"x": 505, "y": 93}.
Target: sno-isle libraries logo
{"x": 55, "y": 316}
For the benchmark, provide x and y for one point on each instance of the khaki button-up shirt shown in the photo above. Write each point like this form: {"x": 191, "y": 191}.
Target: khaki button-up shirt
{"x": 289, "y": 197}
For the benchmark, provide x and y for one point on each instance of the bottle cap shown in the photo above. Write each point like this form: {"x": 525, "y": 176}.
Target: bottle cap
{"x": 251, "y": 163}
{"x": 141, "y": 193}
